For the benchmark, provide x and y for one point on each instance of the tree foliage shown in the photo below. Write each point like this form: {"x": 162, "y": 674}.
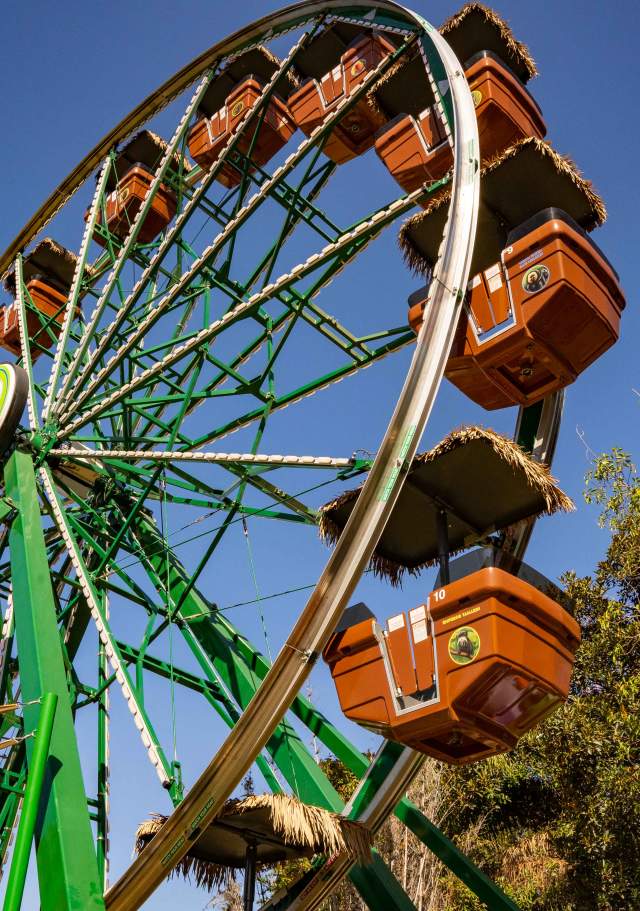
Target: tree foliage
{"x": 560, "y": 815}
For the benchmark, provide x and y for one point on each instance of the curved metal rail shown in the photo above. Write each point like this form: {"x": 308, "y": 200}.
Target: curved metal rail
{"x": 378, "y": 497}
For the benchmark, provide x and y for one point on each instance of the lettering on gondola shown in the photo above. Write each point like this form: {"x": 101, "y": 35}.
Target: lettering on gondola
{"x": 460, "y": 616}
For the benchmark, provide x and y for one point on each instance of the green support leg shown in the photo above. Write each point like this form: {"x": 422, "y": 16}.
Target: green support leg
{"x": 65, "y": 853}
{"x": 33, "y": 791}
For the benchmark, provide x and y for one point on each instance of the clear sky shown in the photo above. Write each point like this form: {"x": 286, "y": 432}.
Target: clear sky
{"x": 70, "y": 71}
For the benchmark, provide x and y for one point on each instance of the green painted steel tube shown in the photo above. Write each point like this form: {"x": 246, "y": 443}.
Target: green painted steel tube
{"x": 22, "y": 850}
{"x": 65, "y": 851}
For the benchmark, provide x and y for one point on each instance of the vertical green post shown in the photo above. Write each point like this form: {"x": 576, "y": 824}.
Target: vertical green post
{"x": 22, "y": 850}
{"x": 102, "y": 839}
{"x": 65, "y": 853}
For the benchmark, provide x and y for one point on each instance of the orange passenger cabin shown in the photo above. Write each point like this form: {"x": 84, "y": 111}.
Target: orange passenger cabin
{"x": 414, "y": 146}
{"x": 465, "y": 675}
{"x": 535, "y": 319}
{"x": 334, "y": 65}
{"x": 489, "y": 654}
{"x": 127, "y": 186}
{"x": 416, "y": 149}
{"x": 47, "y": 274}
{"x": 228, "y": 101}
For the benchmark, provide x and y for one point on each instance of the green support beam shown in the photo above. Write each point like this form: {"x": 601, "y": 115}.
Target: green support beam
{"x": 33, "y": 791}
{"x": 65, "y": 853}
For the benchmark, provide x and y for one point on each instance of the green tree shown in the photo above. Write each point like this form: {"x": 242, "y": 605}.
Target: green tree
{"x": 561, "y": 814}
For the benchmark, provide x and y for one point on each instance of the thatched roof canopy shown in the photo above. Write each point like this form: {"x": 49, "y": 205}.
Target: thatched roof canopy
{"x": 485, "y": 482}
{"x": 50, "y": 259}
{"x": 476, "y": 27}
{"x": 145, "y": 148}
{"x": 259, "y": 62}
{"x": 527, "y": 177}
{"x": 323, "y": 52}
{"x": 405, "y": 88}
{"x": 282, "y": 828}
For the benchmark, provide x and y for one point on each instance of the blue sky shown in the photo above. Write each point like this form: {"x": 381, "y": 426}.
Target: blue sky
{"x": 70, "y": 71}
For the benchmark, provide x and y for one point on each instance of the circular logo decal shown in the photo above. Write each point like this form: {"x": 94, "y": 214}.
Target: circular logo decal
{"x": 477, "y": 97}
{"x": 464, "y": 645}
{"x": 357, "y": 67}
{"x": 535, "y": 279}
{"x": 238, "y": 108}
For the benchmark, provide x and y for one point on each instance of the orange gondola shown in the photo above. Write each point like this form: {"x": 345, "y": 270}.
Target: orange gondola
{"x": 128, "y": 185}
{"x": 465, "y": 675}
{"x": 319, "y": 95}
{"x": 47, "y": 275}
{"x": 535, "y": 319}
{"x": 415, "y": 149}
{"x": 228, "y": 101}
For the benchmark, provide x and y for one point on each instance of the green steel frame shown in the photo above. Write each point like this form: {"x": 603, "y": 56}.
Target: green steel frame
{"x": 129, "y": 377}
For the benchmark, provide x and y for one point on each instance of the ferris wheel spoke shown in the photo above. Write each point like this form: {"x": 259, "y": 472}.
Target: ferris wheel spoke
{"x": 293, "y": 216}
{"x": 349, "y": 245}
{"x": 27, "y": 360}
{"x": 394, "y": 340}
{"x": 284, "y": 400}
{"x": 127, "y": 246}
{"x": 226, "y": 233}
{"x": 96, "y": 607}
{"x": 211, "y": 457}
{"x": 93, "y": 552}
{"x": 180, "y": 222}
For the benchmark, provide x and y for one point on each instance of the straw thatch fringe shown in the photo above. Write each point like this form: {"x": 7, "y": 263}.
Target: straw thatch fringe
{"x": 382, "y": 567}
{"x": 206, "y": 874}
{"x": 291, "y": 76}
{"x": 49, "y": 244}
{"x": 537, "y": 476}
{"x": 160, "y": 144}
{"x": 517, "y": 49}
{"x": 309, "y": 827}
{"x": 395, "y": 68}
{"x": 564, "y": 165}
{"x": 297, "y": 824}
{"x": 415, "y": 259}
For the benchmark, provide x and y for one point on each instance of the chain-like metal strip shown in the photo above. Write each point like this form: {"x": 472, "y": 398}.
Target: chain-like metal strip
{"x": 147, "y": 734}
{"x": 27, "y": 361}
{"x": 74, "y": 292}
{"x": 246, "y": 458}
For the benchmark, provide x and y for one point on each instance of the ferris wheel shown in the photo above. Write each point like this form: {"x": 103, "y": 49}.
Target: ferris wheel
{"x": 191, "y": 313}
